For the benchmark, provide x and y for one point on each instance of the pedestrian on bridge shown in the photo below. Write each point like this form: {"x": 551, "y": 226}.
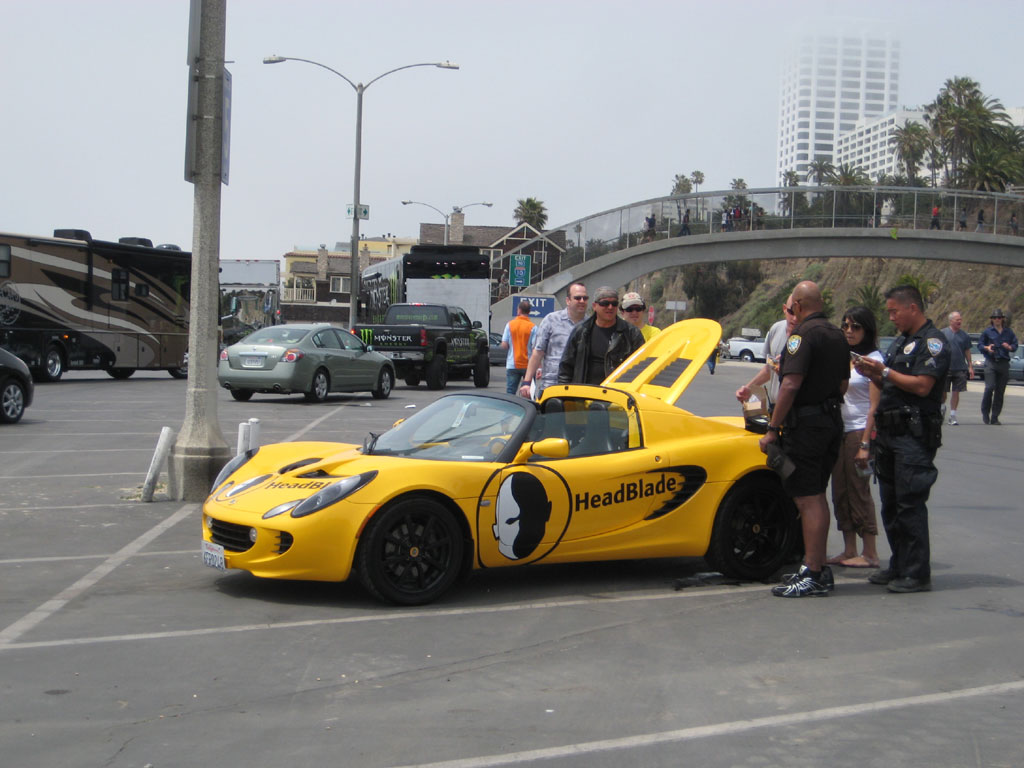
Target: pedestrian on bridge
{"x": 963, "y": 219}
{"x": 935, "y": 218}
{"x": 981, "y": 220}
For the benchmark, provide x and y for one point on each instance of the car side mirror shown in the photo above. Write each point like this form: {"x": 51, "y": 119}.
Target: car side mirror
{"x": 477, "y": 324}
{"x": 549, "y": 448}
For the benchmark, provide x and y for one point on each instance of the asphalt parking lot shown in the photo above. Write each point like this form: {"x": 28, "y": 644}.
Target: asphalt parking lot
{"x": 119, "y": 648}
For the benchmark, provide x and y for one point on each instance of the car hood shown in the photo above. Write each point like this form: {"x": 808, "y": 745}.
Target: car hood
{"x": 664, "y": 367}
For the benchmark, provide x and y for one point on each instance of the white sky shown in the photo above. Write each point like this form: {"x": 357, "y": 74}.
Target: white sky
{"x": 584, "y": 104}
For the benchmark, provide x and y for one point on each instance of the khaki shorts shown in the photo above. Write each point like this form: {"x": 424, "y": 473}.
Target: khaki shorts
{"x": 956, "y": 381}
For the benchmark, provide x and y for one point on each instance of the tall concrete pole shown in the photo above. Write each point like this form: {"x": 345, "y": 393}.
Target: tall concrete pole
{"x": 200, "y": 449}
{"x": 353, "y": 284}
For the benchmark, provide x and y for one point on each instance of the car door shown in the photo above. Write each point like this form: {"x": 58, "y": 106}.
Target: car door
{"x": 362, "y": 367}
{"x": 328, "y": 345}
{"x": 460, "y": 349}
{"x": 561, "y": 507}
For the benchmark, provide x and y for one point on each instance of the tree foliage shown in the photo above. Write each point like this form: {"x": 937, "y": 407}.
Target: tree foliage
{"x": 531, "y": 211}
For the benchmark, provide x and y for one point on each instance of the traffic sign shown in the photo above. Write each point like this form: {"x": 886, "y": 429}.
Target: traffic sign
{"x": 519, "y": 277}
{"x": 364, "y": 211}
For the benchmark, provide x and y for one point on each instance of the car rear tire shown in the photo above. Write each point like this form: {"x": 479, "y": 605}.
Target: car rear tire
{"x": 437, "y": 372}
{"x": 747, "y": 356}
{"x": 12, "y": 401}
{"x": 755, "y": 530}
{"x": 411, "y": 553}
{"x": 120, "y": 373}
{"x": 241, "y": 395}
{"x": 53, "y": 365}
{"x": 385, "y": 383}
{"x": 482, "y": 370}
{"x": 319, "y": 387}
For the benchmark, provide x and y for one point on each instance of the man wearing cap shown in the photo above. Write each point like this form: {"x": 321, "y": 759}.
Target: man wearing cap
{"x": 997, "y": 344}
{"x": 634, "y": 311}
{"x": 548, "y": 344}
{"x": 599, "y": 344}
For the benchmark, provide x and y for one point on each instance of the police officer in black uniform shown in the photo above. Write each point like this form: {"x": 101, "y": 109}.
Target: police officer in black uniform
{"x": 909, "y": 427}
{"x": 814, "y": 373}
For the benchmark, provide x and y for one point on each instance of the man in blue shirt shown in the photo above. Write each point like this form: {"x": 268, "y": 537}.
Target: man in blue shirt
{"x": 997, "y": 344}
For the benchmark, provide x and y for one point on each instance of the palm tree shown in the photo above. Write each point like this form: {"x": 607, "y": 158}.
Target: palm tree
{"x": 738, "y": 184}
{"x": 531, "y": 211}
{"x": 697, "y": 177}
{"x": 926, "y": 287}
{"x": 911, "y": 144}
{"x": 848, "y": 175}
{"x": 962, "y": 120}
{"x": 681, "y": 185}
{"x": 819, "y": 169}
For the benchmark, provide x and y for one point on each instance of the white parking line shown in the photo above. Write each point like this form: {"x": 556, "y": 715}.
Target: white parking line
{"x": 723, "y": 729}
{"x": 50, "y": 607}
{"x": 375, "y": 616}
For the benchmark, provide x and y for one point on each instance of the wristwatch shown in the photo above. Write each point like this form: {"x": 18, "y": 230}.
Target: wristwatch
{"x": 885, "y": 372}
{"x": 776, "y": 430}
{"x": 865, "y": 446}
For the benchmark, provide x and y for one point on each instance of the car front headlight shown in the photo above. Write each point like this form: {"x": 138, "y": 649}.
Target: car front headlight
{"x": 333, "y": 493}
{"x": 231, "y": 467}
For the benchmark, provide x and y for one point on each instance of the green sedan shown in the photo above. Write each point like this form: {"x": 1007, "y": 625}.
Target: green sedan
{"x": 313, "y": 358}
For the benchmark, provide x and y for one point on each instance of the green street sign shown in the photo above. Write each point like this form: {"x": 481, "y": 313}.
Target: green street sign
{"x": 519, "y": 277}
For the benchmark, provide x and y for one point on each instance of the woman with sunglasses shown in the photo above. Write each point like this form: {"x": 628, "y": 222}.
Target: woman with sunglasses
{"x": 852, "y": 504}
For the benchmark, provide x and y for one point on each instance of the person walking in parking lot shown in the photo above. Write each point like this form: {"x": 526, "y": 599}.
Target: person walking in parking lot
{"x": 599, "y": 344}
{"x": 807, "y": 422}
{"x": 908, "y": 426}
{"x": 960, "y": 367}
{"x": 549, "y": 343}
{"x": 518, "y": 338}
{"x": 997, "y": 344}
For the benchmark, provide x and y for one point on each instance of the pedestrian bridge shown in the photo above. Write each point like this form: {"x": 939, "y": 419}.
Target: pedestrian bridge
{"x": 836, "y": 222}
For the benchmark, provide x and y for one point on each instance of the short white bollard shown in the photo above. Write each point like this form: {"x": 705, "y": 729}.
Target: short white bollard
{"x": 243, "y": 438}
{"x": 163, "y": 447}
{"x": 254, "y": 434}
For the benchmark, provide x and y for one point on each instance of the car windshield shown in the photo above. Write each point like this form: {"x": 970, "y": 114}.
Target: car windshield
{"x": 277, "y": 334}
{"x": 455, "y": 428}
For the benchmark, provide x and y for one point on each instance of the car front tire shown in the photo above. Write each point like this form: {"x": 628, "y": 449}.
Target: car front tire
{"x": 241, "y": 395}
{"x": 755, "y": 530}
{"x": 385, "y": 383}
{"x": 411, "y": 553}
{"x": 12, "y": 401}
{"x": 482, "y": 370}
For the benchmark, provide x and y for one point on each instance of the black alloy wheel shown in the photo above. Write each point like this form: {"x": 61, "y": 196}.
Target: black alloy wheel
{"x": 411, "y": 552}
{"x": 755, "y": 530}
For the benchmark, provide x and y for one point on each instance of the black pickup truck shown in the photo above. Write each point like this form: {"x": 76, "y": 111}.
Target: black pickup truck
{"x": 430, "y": 342}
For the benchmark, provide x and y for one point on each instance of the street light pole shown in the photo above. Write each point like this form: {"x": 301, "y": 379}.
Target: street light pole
{"x": 359, "y": 89}
{"x": 447, "y": 216}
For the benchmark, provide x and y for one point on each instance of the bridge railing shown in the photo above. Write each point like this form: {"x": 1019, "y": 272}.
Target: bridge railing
{"x": 723, "y": 212}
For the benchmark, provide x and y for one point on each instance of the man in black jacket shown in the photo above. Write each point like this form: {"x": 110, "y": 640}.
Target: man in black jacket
{"x": 599, "y": 344}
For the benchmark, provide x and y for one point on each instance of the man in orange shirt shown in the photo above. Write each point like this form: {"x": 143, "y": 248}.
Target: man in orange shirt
{"x": 518, "y": 340}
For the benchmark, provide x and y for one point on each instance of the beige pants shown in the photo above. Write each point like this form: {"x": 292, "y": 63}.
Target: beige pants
{"x": 851, "y": 493}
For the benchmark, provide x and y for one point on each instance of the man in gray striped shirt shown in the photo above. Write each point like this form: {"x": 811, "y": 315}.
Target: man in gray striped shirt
{"x": 549, "y": 343}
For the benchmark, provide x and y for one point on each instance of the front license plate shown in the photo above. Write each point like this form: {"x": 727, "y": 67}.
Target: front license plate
{"x": 252, "y": 362}
{"x": 213, "y": 556}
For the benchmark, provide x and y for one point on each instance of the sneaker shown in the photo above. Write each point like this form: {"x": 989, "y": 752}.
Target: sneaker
{"x": 802, "y": 586}
{"x": 984, "y": 419}
{"x": 996, "y": 421}
{"x": 952, "y": 421}
{"x": 909, "y": 584}
{"x": 827, "y": 580}
{"x": 882, "y": 576}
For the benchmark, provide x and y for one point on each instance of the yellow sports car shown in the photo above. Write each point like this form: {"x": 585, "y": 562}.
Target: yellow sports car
{"x": 479, "y": 480}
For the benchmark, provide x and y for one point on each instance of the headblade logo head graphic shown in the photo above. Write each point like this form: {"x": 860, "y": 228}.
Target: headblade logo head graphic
{"x": 10, "y": 303}
{"x": 521, "y": 515}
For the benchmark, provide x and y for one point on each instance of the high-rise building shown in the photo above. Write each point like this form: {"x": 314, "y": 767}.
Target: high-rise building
{"x": 869, "y": 145}
{"x": 829, "y": 83}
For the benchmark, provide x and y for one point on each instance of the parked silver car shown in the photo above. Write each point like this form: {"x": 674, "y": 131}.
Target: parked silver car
{"x": 313, "y": 358}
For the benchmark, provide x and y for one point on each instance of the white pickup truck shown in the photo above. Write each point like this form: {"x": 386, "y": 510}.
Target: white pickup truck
{"x": 746, "y": 349}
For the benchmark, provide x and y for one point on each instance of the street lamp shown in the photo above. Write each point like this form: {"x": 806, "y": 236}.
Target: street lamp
{"x": 358, "y": 88}
{"x": 455, "y": 209}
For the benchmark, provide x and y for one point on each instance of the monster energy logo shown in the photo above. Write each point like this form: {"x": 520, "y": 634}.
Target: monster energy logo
{"x": 366, "y": 334}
